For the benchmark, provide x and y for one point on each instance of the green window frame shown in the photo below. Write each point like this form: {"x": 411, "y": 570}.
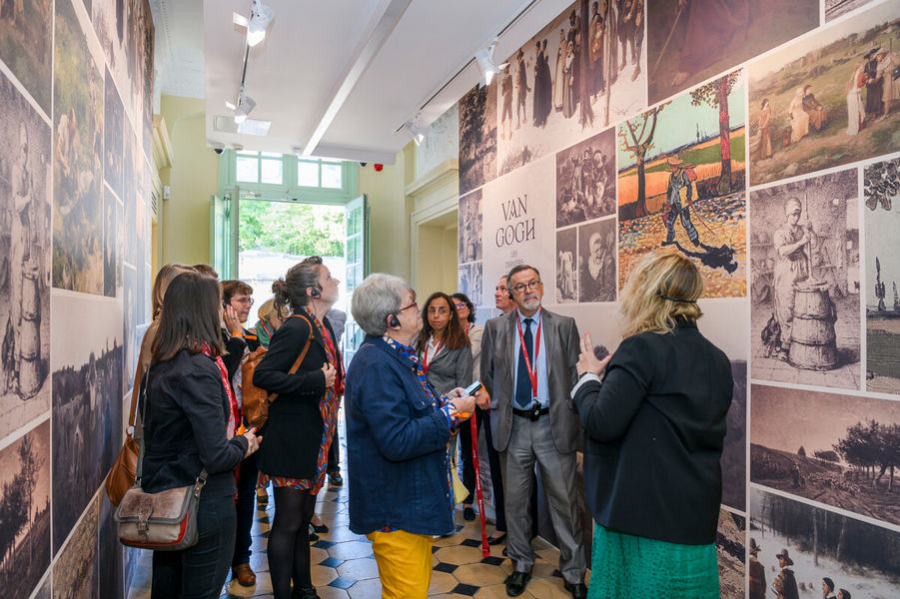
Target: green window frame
{"x": 296, "y": 177}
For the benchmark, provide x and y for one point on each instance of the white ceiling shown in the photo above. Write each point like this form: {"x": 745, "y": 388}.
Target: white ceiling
{"x": 337, "y": 78}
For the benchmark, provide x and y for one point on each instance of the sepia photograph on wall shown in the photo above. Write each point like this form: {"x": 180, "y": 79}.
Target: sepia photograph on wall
{"x": 470, "y": 228}
{"x": 805, "y": 288}
{"x": 477, "y": 137}
{"x": 881, "y": 190}
{"x": 681, "y": 184}
{"x": 597, "y": 261}
{"x": 828, "y": 99}
{"x": 831, "y": 448}
{"x": 584, "y": 71}
{"x": 586, "y": 180}
{"x": 25, "y": 512}
{"x": 75, "y": 569}
{"x": 24, "y": 261}
{"x": 77, "y": 158}
{"x": 113, "y": 138}
{"x": 731, "y": 553}
{"x": 814, "y": 543}
{"x": 567, "y": 265}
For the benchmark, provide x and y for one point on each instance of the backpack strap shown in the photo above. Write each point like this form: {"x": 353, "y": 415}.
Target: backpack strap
{"x": 303, "y": 353}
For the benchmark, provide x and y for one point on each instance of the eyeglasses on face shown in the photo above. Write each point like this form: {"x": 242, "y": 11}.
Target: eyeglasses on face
{"x": 530, "y": 285}
{"x": 460, "y": 305}
{"x": 243, "y": 300}
{"x": 412, "y": 305}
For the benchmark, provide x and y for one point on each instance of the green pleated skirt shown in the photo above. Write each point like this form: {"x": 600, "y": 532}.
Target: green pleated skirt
{"x": 629, "y": 567}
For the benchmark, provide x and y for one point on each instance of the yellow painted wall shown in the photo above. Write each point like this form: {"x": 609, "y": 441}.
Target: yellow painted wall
{"x": 389, "y": 214}
{"x": 193, "y": 178}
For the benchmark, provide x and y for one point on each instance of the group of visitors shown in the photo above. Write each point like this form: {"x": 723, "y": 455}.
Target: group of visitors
{"x": 644, "y": 423}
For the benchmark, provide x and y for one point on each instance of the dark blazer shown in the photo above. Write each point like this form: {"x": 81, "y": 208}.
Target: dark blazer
{"x": 498, "y": 375}
{"x": 653, "y": 437}
{"x": 450, "y": 369}
{"x": 396, "y": 446}
{"x": 187, "y": 415}
{"x": 293, "y": 433}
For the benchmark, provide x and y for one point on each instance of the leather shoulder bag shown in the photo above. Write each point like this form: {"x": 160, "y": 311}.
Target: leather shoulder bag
{"x": 164, "y": 521}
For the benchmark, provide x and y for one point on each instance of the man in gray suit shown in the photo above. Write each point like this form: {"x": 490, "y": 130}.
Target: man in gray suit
{"x": 528, "y": 362}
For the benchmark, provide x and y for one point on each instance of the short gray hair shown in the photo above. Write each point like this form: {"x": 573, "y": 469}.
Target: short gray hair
{"x": 376, "y": 298}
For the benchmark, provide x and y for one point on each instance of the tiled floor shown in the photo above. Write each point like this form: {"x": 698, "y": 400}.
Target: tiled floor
{"x": 344, "y": 567}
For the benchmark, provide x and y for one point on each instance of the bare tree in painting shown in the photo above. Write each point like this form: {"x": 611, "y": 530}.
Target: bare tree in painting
{"x": 584, "y": 79}
{"x": 715, "y": 94}
{"x": 639, "y": 146}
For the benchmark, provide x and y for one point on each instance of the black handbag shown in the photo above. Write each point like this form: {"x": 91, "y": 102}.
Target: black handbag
{"x": 164, "y": 521}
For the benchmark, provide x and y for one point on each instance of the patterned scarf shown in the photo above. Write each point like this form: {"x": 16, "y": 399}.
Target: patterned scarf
{"x": 439, "y": 402}
{"x": 234, "y": 412}
{"x": 333, "y": 357}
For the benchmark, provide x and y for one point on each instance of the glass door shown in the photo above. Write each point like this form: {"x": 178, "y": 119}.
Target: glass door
{"x": 356, "y": 251}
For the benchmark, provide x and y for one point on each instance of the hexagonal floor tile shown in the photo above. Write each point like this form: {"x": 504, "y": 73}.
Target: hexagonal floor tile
{"x": 366, "y": 589}
{"x": 498, "y": 591}
{"x": 479, "y": 575}
{"x": 358, "y": 569}
{"x": 459, "y": 555}
{"x": 441, "y": 582}
{"x": 350, "y": 550}
{"x": 322, "y": 575}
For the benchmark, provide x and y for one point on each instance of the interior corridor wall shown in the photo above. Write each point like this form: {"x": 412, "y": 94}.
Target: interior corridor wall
{"x": 75, "y": 220}
{"x": 571, "y": 162}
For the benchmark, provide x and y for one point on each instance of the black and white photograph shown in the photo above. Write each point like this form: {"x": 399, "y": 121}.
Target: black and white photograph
{"x": 734, "y": 452}
{"x": 470, "y": 227}
{"x": 799, "y": 545}
{"x": 470, "y": 282}
{"x": 24, "y": 261}
{"x": 881, "y": 184}
{"x": 77, "y": 158}
{"x": 75, "y": 570}
{"x": 567, "y": 265}
{"x": 834, "y": 449}
{"x": 582, "y": 72}
{"x": 597, "y": 261}
{"x": 25, "y": 512}
{"x": 147, "y": 31}
{"x": 110, "y": 238}
{"x": 87, "y": 402}
{"x": 131, "y": 179}
{"x": 45, "y": 592}
{"x": 805, "y": 286}
{"x": 586, "y": 180}
{"x": 477, "y": 137}
{"x": 113, "y": 139}
{"x": 730, "y": 550}
{"x": 838, "y": 8}
{"x": 26, "y": 46}
{"x": 110, "y": 554}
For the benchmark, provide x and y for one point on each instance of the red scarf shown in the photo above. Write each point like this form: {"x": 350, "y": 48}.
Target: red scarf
{"x": 332, "y": 356}
{"x": 234, "y": 412}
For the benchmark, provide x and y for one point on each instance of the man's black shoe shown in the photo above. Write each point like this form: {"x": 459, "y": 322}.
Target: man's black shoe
{"x": 578, "y": 591}
{"x": 516, "y": 583}
{"x": 335, "y": 480}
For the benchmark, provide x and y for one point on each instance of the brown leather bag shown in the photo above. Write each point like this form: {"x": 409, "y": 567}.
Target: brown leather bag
{"x": 124, "y": 470}
{"x": 256, "y": 401}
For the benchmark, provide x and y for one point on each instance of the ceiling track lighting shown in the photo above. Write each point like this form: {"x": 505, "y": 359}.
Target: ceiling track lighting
{"x": 412, "y": 127}
{"x": 244, "y": 108}
{"x": 260, "y": 18}
{"x": 485, "y": 60}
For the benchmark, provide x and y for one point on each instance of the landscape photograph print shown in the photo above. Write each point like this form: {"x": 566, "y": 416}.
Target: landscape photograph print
{"x": 828, "y": 99}
{"x": 681, "y": 184}
{"x": 730, "y": 553}
{"x": 835, "y": 449}
{"x": 805, "y": 288}
{"x": 798, "y": 545}
{"x": 583, "y": 72}
{"x": 478, "y": 137}
{"x": 77, "y": 158}
{"x": 689, "y": 41}
{"x": 24, "y": 261}
{"x": 25, "y": 512}
{"x": 26, "y": 45}
{"x": 881, "y": 189}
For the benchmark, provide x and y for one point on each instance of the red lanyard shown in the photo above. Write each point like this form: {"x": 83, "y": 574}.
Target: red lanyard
{"x": 479, "y": 494}
{"x": 532, "y": 371}
{"x": 425, "y": 362}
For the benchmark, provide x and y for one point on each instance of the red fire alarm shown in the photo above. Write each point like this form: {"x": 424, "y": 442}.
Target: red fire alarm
{"x": 378, "y": 168}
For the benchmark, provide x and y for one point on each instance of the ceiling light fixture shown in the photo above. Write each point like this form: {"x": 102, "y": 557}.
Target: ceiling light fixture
{"x": 244, "y": 108}
{"x": 412, "y": 127}
{"x": 485, "y": 59}
{"x": 260, "y": 17}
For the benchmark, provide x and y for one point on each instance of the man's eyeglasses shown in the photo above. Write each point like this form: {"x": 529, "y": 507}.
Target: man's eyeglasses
{"x": 530, "y": 285}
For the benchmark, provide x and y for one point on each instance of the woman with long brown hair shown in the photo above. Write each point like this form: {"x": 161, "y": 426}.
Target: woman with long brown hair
{"x": 654, "y": 430}
{"x": 191, "y": 420}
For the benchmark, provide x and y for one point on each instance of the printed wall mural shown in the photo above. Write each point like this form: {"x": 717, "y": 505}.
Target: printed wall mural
{"x": 760, "y": 140}
{"x": 75, "y": 219}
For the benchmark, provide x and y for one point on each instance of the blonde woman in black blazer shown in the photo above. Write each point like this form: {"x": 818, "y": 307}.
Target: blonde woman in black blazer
{"x": 654, "y": 430}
